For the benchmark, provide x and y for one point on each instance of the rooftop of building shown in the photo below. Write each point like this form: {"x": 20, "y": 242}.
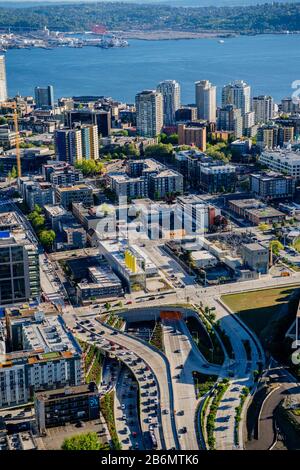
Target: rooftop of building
{"x": 62, "y": 393}
{"x": 254, "y": 247}
{"x": 8, "y": 219}
{"x": 263, "y": 212}
{"x": 28, "y": 310}
{"x": 78, "y": 187}
{"x": 245, "y": 202}
{"x": 47, "y": 333}
{"x": 270, "y": 175}
{"x": 103, "y": 276}
{"x": 116, "y": 249}
{"x": 287, "y": 155}
{"x": 55, "y": 211}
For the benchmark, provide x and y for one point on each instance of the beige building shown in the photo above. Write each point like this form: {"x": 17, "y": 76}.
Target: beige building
{"x": 149, "y": 113}
{"x": 206, "y": 100}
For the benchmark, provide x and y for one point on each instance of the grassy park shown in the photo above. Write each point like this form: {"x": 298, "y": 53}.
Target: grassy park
{"x": 266, "y": 311}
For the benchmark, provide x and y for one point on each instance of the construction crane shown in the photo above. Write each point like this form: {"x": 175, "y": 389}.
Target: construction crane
{"x": 13, "y": 105}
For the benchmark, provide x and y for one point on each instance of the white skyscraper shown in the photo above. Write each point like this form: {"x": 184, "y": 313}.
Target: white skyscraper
{"x": 3, "y": 85}
{"x": 206, "y": 100}
{"x": 239, "y": 94}
{"x": 263, "y": 106}
{"x": 170, "y": 90}
{"x": 149, "y": 113}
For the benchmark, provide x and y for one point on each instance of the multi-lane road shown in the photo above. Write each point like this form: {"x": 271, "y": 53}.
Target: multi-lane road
{"x": 150, "y": 369}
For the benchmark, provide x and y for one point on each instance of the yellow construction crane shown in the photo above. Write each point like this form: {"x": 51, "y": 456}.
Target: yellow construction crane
{"x": 13, "y": 105}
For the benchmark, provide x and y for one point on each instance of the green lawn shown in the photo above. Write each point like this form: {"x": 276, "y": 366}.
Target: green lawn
{"x": 297, "y": 244}
{"x": 258, "y": 308}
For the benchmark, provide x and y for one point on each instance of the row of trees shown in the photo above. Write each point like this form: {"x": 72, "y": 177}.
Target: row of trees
{"x": 37, "y": 220}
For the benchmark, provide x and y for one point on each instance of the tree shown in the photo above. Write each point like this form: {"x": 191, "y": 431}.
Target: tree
{"x": 90, "y": 167}
{"x": 168, "y": 139}
{"x": 276, "y": 246}
{"x": 263, "y": 227}
{"x": 14, "y": 172}
{"x": 164, "y": 151}
{"x": 47, "y": 237}
{"x": 88, "y": 441}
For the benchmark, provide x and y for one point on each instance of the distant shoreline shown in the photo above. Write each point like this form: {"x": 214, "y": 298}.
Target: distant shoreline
{"x": 176, "y": 35}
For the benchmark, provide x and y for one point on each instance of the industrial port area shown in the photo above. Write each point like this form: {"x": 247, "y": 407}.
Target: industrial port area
{"x": 45, "y": 39}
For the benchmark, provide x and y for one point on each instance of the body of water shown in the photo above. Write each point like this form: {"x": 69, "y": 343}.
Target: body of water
{"x": 269, "y": 63}
{"x": 176, "y": 3}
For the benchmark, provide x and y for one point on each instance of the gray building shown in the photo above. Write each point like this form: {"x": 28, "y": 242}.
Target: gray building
{"x": 44, "y": 97}
{"x": 170, "y": 90}
{"x": 269, "y": 186}
{"x": 256, "y": 257}
{"x": 65, "y": 196}
{"x": 19, "y": 267}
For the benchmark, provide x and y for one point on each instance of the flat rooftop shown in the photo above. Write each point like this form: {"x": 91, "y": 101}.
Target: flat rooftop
{"x": 265, "y": 212}
{"x": 254, "y": 247}
{"x": 104, "y": 276}
{"x": 62, "y": 393}
{"x": 245, "y": 202}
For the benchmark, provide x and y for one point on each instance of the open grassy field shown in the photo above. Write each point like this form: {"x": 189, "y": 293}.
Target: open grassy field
{"x": 260, "y": 308}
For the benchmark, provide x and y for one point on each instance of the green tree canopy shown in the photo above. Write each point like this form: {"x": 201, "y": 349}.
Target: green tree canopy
{"x": 90, "y": 167}
{"x": 159, "y": 151}
{"x": 47, "y": 237}
{"x": 88, "y": 441}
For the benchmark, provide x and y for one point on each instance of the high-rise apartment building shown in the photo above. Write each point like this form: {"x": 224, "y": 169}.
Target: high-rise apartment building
{"x": 80, "y": 143}
{"x": 237, "y": 93}
{"x": 230, "y": 119}
{"x": 3, "y": 84}
{"x": 206, "y": 100}
{"x": 170, "y": 90}
{"x": 68, "y": 145}
{"x": 263, "y": 106}
{"x": 149, "y": 113}
{"x": 90, "y": 142}
{"x": 44, "y": 97}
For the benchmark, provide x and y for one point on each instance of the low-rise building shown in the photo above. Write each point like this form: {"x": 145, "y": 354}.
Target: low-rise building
{"x": 269, "y": 186}
{"x": 217, "y": 177}
{"x": 265, "y": 215}
{"x": 285, "y": 161}
{"x": 101, "y": 219}
{"x": 65, "y": 196}
{"x": 66, "y": 405}
{"x": 62, "y": 174}
{"x": 36, "y": 192}
{"x": 256, "y": 257}
{"x": 203, "y": 259}
{"x": 104, "y": 284}
{"x": 122, "y": 263}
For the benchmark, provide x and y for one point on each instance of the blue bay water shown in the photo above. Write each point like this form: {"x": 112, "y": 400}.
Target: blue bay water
{"x": 269, "y": 63}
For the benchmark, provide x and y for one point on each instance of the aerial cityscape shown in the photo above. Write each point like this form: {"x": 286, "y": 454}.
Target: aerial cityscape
{"x": 149, "y": 260}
